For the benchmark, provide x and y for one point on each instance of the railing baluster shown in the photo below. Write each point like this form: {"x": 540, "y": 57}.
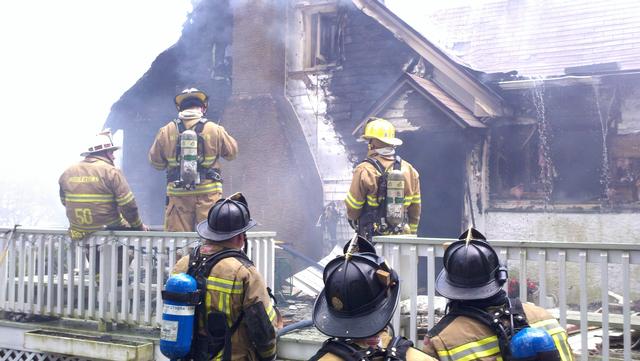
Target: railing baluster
{"x": 604, "y": 283}
{"x": 124, "y": 301}
{"x": 103, "y": 277}
{"x": 562, "y": 287}
{"x": 394, "y": 260}
{"x": 30, "y": 274}
{"x": 60, "y": 276}
{"x": 50, "y": 262}
{"x": 136, "y": 281}
{"x": 4, "y": 248}
{"x": 271, "y": 261}
{"x": 431, "y": 285}
{"x": 70, "y": 280}
{"x": 412, "y": 284}
{"x": 11, "y": 257}
{"x": 40, "y": 275}
{"x": 584, "y": 321}
{"x": 113, "y": 283}
{"x": 172, "y": 255}
{"x": 523, "y": 275}
{"x": 626, "y": 306}
{"x": 159, "y": 280}
{"x": 81, "y": 279}
{"x": 91, "y": 252}
{"x": 21, "y": 272}
{"x": 542, "y": 278}
{"x": 148, "y": 269}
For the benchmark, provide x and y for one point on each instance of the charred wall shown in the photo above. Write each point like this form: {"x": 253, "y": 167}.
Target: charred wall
{"x": 199, "y": 59}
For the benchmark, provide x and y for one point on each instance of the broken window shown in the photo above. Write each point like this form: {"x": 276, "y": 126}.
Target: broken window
{"x": 624, "y": 170}
{"x": 324, "y": 39}
{"x": 515, "y": 164}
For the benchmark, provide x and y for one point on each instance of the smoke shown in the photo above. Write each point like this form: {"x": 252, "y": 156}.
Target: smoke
{"x": 65, "y": 64}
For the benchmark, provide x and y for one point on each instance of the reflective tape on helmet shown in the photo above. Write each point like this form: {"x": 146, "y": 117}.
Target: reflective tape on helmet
{"x": 473, "y": 350}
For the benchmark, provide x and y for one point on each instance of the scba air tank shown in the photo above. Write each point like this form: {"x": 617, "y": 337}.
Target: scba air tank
{"x": 178, "y": 314}
{"x": 189, "y": 158}
{"x": 533, "y": 344}
{"x": 395, "y": 198}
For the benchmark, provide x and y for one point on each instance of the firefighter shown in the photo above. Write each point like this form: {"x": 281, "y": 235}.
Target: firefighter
{"x": 237, "y": 297}
{"x": 481, "y": 321}
{"x": 189, "y": 148}
{"x": 357, "y": 303}
{"x": 384, "y": 197}
{"x": 95, "y": 193}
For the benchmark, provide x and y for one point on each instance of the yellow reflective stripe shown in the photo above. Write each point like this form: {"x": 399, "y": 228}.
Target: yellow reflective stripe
{"x": 157, "y": 165}
{"x": 137, "y": 223}
{"x": 416, "y": 199}
{"x": 112, "y": 222}
{"x": 560, "y": 340}
{"x": 268, "y": 352}
{"x": 372, "y": 200}
{"x": 413, "y": 227}
{"x": 215, "y": 187}
{"x": 552, "y": 326}
{"x": 207, "y": 161}
{"x": 407, "y": 202}
{"x": 88, "y": 198}
{"x": 354, "y": 200}
{"x": 271, "y": 312}
{"x": 473, "y": 350}
{"x": 224, "y": 286}
{"x": 173, "y": 162}
{"x": 353, "y": 203}
{"x": 125, "y": 199}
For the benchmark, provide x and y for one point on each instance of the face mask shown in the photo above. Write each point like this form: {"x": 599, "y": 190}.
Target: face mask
{"x": 386, "y": 151}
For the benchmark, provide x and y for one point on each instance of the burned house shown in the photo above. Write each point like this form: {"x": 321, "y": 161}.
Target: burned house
{"x": 549, "y": 157}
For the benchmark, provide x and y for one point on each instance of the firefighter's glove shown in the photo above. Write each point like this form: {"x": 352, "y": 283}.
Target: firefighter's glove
{"x": 261, "y": 331}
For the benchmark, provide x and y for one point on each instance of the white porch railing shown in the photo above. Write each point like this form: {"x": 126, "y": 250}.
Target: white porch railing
{"x": 43, "y": 272}
{"x": 402, "y": 253}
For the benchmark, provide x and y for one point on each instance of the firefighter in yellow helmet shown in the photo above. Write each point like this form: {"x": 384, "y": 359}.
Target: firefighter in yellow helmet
{"x": 189, "y": 148}
{"x": 96, "y": 194}
{"x": 384, "y": 197}
{"x": 481, "y": 322}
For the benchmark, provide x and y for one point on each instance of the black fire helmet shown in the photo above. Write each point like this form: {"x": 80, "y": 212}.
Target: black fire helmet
{"x": 359, "y": 298}
{"x": 472, "y": 270}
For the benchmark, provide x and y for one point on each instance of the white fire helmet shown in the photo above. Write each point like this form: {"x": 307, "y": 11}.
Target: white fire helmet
{"x": 102, "y": 141}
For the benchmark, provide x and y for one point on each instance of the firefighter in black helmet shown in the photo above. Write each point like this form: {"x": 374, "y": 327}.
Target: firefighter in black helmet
{"x": 481, "y": 320}
{"x": 360, "y": 296}
{"x": 236, "y": 317}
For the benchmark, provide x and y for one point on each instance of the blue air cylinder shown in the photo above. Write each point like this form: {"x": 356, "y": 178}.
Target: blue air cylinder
{"x": 532, "y": 344}
{"x": 178, "y": 316}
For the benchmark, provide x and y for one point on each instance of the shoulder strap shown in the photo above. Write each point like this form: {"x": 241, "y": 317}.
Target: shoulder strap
{"x": 397, "y": 163}
{"x": 340, "y": 348}
{"x": 207, "y": 265}
{"x": 441, "y": 325}
{"x": 200, "y": 125}
{"x": 375, "y": 163}
{"x": 520, "y": 317}
{"x": 397, "y": 348}
{"x": 179, "y": 125}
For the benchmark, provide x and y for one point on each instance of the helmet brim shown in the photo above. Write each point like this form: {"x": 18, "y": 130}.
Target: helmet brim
{"x": 207, "y": 233}
{"x": 182, "y": 96}
{"x": 354, "y": 327}
{"x": 391, "y": 141}
{"x": 454, "y": 292}
{"x": 114, "y": 148}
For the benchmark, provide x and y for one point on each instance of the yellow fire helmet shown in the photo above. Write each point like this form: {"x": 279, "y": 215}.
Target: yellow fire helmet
{"x": 101, "y": 141}
{"x": 381, "y": 129}
{"x": 191, "y": 93}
